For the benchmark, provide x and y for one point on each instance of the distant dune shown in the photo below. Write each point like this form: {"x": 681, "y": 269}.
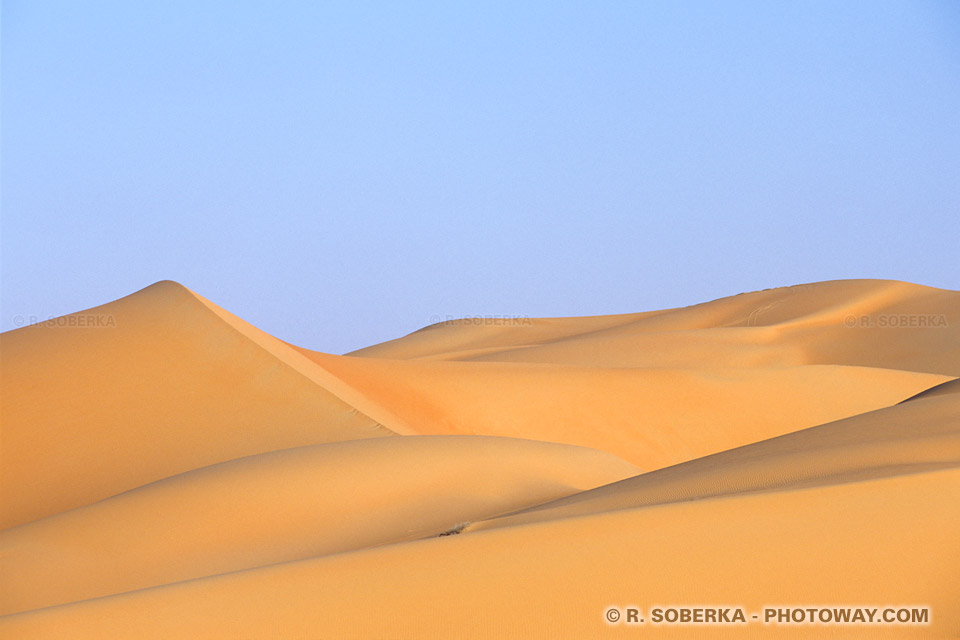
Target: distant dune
{"x": 169, "y": 471}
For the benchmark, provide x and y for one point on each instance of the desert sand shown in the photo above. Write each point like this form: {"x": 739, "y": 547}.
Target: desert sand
{"x": 170, "y": 471}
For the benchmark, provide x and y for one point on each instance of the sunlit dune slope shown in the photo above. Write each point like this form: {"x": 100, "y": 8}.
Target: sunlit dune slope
{"x": 850, "y": 543}
{"x": 875, "y": 323}
{"x": 651, "y": 417}
{"x": 286, "y": 505}
{"x": 166, "y": 385}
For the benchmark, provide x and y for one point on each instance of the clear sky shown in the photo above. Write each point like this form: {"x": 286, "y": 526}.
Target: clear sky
{"x": 342, "y": 173}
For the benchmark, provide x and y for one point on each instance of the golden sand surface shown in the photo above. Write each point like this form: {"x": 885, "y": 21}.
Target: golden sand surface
{"x": 167, "y": 470}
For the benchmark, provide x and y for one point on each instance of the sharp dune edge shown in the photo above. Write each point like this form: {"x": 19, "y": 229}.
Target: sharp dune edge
{"x": 178, "y": 473}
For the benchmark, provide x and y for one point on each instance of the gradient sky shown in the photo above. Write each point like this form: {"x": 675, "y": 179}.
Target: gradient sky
{"x": 342, "y": 173}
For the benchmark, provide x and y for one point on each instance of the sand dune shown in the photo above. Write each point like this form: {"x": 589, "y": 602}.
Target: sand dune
{"x": 875, "y": 323}
{"x": 286, "y": 505}
{"x": 178, "y": 473}
{"x": 850, "y": 543}
{"x": 920, "y": 434}
{"x": 169, "y": 386}
{"x": 651, "y": 417}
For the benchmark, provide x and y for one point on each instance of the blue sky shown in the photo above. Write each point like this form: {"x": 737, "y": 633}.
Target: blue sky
{"x": 342, "y": 173}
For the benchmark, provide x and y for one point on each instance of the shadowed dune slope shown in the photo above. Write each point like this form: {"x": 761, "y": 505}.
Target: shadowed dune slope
{"x": 922, "y": 433}
{"x": 951, "y": 387}
{"x": 165, "y": 386}
{"x": 286, "y": 505}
